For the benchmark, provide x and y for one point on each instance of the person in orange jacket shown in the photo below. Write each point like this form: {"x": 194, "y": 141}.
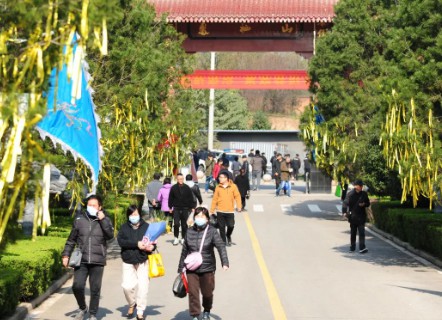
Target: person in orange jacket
{"x": 225, "y": 197}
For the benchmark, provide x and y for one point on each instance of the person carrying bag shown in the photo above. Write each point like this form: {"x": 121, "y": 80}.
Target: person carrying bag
{"x": 136, "y": 252}
{"x": 198, "y": 260}
{"x": 77, "y": 254}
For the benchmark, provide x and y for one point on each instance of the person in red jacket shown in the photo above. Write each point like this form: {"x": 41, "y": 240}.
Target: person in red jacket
{"x": 217, "y": 168}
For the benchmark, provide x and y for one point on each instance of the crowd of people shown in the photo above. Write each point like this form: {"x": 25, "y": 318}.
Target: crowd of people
{"x": 202, "y": 230}
{"x": 193, "y": 226}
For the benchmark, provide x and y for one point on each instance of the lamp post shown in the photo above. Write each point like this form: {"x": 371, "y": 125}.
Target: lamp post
{"x": 211, "y": 106}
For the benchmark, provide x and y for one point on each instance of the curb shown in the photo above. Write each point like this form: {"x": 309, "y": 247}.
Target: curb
{"x": 433, "y": 260}
{"x": 24, "y": 308}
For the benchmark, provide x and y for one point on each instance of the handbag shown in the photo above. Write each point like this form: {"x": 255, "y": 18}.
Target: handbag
{"x": 194, "y": 260}
{"x": 212, "y": 184}
{"x": 180, "y": 286}
{"x": 75, "y": 259}
{"x": 76, "y": 255}
{"x": 156, "y": 266}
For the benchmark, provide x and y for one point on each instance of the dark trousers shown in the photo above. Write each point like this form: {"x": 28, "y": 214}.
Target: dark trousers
{"x": 169, "y": 218}
{"x": 204, "y": 283}
{"x": 95, "y": 273}
{"x": 243, "y": 201}
{"x": 360, "y": 229}
{"x": 180, "y": 216}
{"x": 225, "y": 220}
{"x": 277, "y": 181}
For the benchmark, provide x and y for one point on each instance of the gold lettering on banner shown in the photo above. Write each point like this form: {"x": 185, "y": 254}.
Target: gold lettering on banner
{"x": 203, "y": 29}
{"x": 286, "y": 29}
{"x": 245, "y": 28}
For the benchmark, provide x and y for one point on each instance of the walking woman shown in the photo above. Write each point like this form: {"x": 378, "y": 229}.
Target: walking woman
{"x": 163, "y": 198}
{"x": 134, "y": 253}
{"x": 202, "y": 280}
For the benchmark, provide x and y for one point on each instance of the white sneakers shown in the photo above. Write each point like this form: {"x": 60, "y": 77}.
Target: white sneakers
{"x": 176, "y": 241}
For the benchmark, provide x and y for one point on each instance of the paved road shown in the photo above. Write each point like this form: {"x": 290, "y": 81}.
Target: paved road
{"x": 289, "y": 260}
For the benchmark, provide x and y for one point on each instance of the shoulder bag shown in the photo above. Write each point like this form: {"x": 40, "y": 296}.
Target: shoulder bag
{"x": 194, "y": 260}
{"x": 76, "y": 255}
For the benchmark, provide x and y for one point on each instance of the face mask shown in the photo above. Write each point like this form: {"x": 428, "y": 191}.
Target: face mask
{"x": 200, "y": 222}
{"x": 92, "y": 211}
{"x": 134, "y": 219}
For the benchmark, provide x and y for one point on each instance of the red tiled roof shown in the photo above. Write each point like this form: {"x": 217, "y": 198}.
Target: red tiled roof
{"x": 250, "y": 11}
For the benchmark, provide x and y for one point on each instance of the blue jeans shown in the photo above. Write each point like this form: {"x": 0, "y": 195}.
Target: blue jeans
{"x": 208, "y": 179}
{"x": 282, "y": 184}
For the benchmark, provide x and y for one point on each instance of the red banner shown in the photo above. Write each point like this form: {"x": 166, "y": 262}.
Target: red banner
{"x": 247, "y": 79}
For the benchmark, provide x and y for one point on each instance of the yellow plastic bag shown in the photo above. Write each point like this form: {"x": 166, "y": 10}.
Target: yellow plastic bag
{"x": 156, "y": 266}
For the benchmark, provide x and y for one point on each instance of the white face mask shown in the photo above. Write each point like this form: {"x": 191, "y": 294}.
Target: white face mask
{"x": 92, "y": 211}
{"x": 134, "y": 219}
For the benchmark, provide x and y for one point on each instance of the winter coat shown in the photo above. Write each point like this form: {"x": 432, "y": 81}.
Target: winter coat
{"x": 93, "y": 248}
{"x": 213, "y": 240}
{"x": 196, "y": 190}
{"x": 257, "y": 163}
{"x": 163, "y": 197}
{"x": 276, "y": 168}
{"x": 236, "y": 166}
{"x": 128, "y": 238}
{"x": 209, "y": 164}
{"x": 216, "y": 170}
{"x": 245, "y": 166}
{"x": 243, "y": 184}
{"x": 285, "y": 173}
{"x": 181, "y": 196}
{"x": 224, "y": 198}
{"x": 351, "y": 205}
{"x": 152, "y": 190}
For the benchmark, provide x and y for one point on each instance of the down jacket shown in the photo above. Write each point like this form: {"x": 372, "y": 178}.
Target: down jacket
{"x": 213, "y": 240}
{"x": 93, "y": 248}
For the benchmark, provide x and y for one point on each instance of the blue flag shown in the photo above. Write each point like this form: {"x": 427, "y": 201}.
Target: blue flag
{"x": 71, "y": 120}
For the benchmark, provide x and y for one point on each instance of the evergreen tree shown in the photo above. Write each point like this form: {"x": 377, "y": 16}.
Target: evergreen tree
{"x": 375, "y": 47}
{"x": 260, "y": 121}
{"x": 148, "y": 119}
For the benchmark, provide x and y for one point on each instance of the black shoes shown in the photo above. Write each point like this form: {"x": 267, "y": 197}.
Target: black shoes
{"x": 229, "y": 241}
{"x": 365, "y": 250}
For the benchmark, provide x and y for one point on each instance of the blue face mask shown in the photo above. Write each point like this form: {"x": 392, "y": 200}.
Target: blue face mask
{"x": 134, "y": 219}
{"x": 200, "y": 222}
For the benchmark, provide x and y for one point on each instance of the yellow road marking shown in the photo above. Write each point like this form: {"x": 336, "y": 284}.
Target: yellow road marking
{"x": 275, "y": 302}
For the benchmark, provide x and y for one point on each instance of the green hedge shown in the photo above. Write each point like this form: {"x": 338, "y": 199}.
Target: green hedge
{"x": 421, "y": 228}
{"x": 28, "y": 269}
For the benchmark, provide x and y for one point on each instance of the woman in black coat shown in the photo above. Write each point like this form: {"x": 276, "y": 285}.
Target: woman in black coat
{"x": 243, "y": 184}
{"x": 202, "y": 280}
{"x": 134, "y": 253}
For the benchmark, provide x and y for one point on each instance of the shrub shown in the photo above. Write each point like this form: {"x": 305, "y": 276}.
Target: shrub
{"x": 31, "y": 267}
{"x": 419, "y": 227}
{"x": 9, "y": 295}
